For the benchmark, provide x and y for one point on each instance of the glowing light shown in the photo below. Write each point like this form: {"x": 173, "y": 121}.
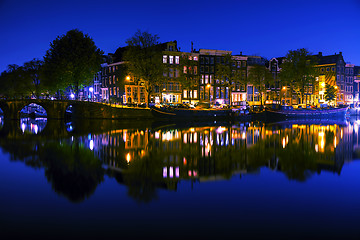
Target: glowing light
{"x": 23, "y": 126}
{"x": 157, "y": 135}
{"x": 72, "y": 96}
{"x": 91, "y": 145}
{"x": 124, "y": 136}
{"x": 171, "y": 172}
{"x": 189, "y": 173}
{"x": 127, "y": 78}
{"x": 284, "y": 88}
{"x": 335, "y": 142}
{"x": 91, "y": 89}
{"x": 192, "y": 129}
{"x": 208, "y": 85}
{"x": 36, "y": 129}
{"x": 128, "y": 157}
{"x": 316, "y": 148}
{"x": 243, "y": 136}
{"x": 208, "y": 147}
{"x": 177, "y": 172}
{"x": 165, "y": 172}
{"x": 184, "y": 161}
{"x": 283, "y": 142}
{"x": 220, "y": 130}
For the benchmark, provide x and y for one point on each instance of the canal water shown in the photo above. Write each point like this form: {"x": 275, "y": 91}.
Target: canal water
{"x": 193, "y": 180}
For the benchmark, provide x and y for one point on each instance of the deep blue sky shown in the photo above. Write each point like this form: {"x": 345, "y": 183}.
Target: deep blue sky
{"x": 265, "y": 28}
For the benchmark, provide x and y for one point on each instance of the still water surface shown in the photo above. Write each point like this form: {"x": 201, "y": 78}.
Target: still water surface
{"x": 180, "y": 180}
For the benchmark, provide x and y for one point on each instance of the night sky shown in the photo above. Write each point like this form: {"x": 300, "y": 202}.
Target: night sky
{"x": 265, "y": 28}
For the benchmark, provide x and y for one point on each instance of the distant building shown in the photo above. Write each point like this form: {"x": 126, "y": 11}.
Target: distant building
{"x": 331, "y": 71}
{"x": 356, "y": 85}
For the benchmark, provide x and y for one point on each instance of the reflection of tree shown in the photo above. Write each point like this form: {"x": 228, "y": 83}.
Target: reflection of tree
{"x": 143, "y": 177}
{"x": 73, "y": 171}
{"x": 297, "y": 161}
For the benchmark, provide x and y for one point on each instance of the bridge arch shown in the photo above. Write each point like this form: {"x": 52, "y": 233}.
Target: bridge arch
{"x": 54, "y": 109}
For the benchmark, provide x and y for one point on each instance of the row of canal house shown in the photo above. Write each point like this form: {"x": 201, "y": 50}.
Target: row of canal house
{"x": 111, "y": 85}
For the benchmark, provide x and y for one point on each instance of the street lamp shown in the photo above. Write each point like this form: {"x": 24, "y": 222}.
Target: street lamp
{"x": 91, "y": 89}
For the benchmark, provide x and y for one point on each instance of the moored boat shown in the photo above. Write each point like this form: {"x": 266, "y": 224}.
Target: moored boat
{"x": 307, "y": 113}
{"x": 178, "y": 113}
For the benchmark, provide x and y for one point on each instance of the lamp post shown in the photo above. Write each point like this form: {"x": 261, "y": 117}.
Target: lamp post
{"x": 91, "y": 89}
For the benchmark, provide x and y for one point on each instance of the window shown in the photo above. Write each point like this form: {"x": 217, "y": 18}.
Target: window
{"x": 171, "y": 72}
{"x": 206, "y": 79}
{"x": 211, "y": 60}
{"x": 185, "y": 93}
{"x": 195, "y": 94}
{"x": 195, "y": 70}
{"x": 177, "y": 87}
{"x": 170, "y": 86}
{"x": 177, "y": 60}
{"x": 202, "y": 79}
{"x": 327, "y": 69}
{"x": 164, "y": 59}
{"x": 171, "y": 59}
{"x": 195, "y": 58}
{"x": 185, "y": 69}
{"x": 206, "y": 69}
{"x": 201, "y": 69}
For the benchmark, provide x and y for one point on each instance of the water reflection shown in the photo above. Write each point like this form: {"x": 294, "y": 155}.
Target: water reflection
{"x": 32, "y": 126}
{"x": 147, "y": 158}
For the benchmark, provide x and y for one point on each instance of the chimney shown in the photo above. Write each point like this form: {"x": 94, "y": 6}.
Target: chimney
{"x": 340, "y": 53}
{"x": 192, "y": 46}
{"x": 320, "y": 54}
{"x": 240, "y": 53}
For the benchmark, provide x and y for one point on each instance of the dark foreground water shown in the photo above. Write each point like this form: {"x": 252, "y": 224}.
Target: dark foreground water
{"x": 151, "y": 180}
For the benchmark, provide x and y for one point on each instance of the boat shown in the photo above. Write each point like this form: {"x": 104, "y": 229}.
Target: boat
{"x": 288, "y": 112}
{"x": 179, "y": 113}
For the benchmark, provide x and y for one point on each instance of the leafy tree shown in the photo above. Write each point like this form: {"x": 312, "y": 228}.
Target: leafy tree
{"x": 228, "y": 73}
{"x": 259, "y": 76}
{"x": 188, "y": 75}
{"x": 32, "y": 71}
{"x": 143, "y": 58}
{"x": 330, "y": 93}
{"x": 298, "y": 71}
{"x": 15, "y": 82}
{"x": 71, "y": 61}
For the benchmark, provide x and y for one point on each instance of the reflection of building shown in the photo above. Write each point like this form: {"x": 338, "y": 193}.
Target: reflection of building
{"x": 217, "y": 152}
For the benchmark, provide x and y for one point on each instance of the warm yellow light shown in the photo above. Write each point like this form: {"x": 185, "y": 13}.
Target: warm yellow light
{"x": 128, "y": 157}
{"x": 208, "y": 85}
{"x": 322, "y": 84}
{"x": 335, "y": 87}
{"x": 284, "y": 88}
{"x": 127, "y": 78}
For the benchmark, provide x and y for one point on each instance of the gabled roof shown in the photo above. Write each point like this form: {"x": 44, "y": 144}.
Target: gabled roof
{"x": 329, "y": 59}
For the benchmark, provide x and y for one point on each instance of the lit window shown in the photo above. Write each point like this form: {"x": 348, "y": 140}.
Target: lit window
{"x": 195, "y": 58}
{"x": 185, "y": 93}
{"x": 177, "y": 60}
{"x": 195, "y": 94}
{"x": 171, "y": 59}
{"x": 164, "y": 59}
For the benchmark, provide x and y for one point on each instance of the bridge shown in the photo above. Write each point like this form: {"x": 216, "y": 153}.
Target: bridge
{"x": 56, "y": 109}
